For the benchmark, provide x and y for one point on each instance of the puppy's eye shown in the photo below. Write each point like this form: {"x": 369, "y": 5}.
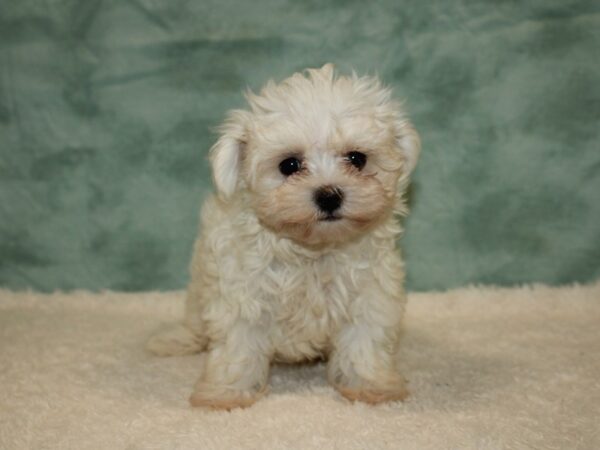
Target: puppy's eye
{"x": 357, "y": 159}
{"x": 289, "y": 166}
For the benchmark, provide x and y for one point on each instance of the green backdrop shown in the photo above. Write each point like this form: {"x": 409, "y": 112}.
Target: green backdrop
{"x": 106, "y": 108}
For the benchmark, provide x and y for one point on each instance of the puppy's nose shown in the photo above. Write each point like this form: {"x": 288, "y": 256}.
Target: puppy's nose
{"x": 329, "y": 198}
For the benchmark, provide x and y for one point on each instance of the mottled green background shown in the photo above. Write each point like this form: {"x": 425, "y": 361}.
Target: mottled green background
{"x": 106, "y": 107}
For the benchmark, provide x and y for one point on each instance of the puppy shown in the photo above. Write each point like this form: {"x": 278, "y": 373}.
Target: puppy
{"x": 296, "y": 256}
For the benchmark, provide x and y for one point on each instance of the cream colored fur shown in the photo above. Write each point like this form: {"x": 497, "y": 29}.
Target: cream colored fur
{"x": 271, "y": 279}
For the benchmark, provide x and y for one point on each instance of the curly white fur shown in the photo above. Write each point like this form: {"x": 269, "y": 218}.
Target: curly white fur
{"x": 272, "y": 279}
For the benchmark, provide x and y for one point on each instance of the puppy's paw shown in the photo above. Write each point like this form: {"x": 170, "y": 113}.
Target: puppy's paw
{"x": 373, "y": 395}
{"x": 223, "y": 397}
{"x": 390, "y": 388}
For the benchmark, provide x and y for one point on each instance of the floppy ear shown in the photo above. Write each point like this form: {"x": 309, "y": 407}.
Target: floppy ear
{"x": 409, "y": 143}
{"x": 226, "y": 154}
{"x": 406, "y": 137}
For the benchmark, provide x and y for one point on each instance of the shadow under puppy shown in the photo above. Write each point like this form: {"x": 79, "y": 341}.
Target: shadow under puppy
{"x": 296, "y": 256}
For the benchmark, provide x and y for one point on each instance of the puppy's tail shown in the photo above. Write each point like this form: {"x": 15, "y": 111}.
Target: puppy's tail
{"x": 176, "y": 341}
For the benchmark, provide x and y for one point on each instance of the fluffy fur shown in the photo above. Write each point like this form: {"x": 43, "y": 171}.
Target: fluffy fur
{"x": 271, "y": 277}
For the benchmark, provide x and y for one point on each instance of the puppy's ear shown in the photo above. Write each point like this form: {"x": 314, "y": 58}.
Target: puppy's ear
{"x": 409, "y": 144}
{"x": 226, "y": 154}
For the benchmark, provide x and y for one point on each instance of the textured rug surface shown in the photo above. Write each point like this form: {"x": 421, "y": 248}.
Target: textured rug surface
{"x": 488, "y": 368}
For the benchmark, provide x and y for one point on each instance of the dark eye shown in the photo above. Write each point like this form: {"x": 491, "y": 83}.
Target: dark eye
{"x": 289, "y": 166}
{"x": 357, "y": 159}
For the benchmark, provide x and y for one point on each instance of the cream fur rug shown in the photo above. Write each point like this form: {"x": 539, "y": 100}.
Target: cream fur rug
{"x": 488, "y": 368}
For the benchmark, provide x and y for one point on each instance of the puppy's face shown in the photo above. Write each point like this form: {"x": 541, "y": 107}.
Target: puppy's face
{"x": 322, "y": 158}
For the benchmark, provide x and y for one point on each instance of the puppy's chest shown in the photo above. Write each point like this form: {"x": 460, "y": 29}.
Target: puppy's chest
{"x": 308, "y": 300}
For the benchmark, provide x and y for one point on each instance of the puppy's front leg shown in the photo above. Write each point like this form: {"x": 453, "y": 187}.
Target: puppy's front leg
{"x": 362, "y": 365}
{"x": 236, "y": 369}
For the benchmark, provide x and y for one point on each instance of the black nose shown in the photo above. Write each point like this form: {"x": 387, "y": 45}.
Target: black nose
{"x": 328, "y": 198}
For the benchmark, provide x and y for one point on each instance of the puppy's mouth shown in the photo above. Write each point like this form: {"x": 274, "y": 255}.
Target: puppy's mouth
{"x": 330, "y": 218}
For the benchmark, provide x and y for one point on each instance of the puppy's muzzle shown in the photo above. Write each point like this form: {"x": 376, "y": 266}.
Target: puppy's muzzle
{"x": 329, "y": 199}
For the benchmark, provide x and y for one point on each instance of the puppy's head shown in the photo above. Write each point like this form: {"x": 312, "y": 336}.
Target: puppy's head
{"x": 322, "y": 158}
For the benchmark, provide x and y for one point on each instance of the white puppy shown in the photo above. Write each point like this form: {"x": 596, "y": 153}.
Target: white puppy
{"x": 296, "y": 257}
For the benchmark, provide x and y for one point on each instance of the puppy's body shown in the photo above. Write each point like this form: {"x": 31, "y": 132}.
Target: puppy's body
{"x": 275, "y": 277}
{"x": 300, "y": 295}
